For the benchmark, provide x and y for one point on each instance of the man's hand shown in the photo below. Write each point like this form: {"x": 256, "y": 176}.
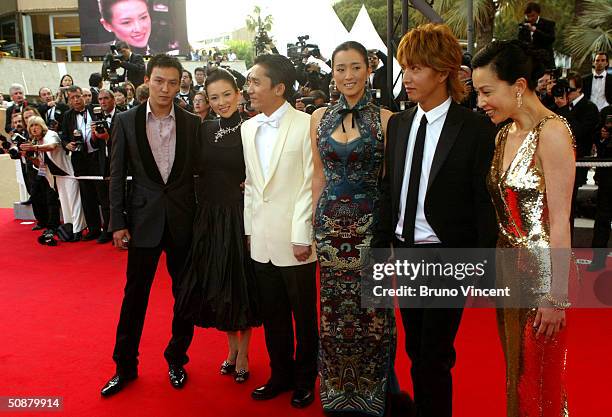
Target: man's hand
{"x": 71, "y": 146}
{"x": 302, "y": 253}
{"x": 51, "y": 103}
{"x": 121, "y": 238}
{"x": 103, "y": 136}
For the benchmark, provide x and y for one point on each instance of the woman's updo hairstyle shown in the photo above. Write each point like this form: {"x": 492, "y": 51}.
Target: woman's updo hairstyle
{"x": 218, "y": 74}
{"x": 512, "y": 60}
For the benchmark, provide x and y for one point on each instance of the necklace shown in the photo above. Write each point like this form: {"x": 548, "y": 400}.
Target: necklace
{"x": 223, "y": 131}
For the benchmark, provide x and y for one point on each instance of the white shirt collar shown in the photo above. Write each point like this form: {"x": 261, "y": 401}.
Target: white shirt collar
{"x": 577, "y": 99}
{"x": 150, "y": 112}
{"x": 435, "y": 113}
{"x": 604, "y": 73}
{"x": 277, "y": 115}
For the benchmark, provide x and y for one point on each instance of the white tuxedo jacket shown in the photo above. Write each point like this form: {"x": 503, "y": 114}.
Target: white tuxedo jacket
{"x": 278, "y": 210}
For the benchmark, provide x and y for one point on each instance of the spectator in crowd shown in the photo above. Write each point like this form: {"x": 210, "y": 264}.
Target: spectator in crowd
{"x": 87, "y": 96}
{"x": 65, "y": 82}
{"x": 184, "y": 98}
{"x": 538, "y": 32}
{"x": 51, "y": 111}
{"x": 465, "y": 75}
{"x": 17, "y": 94}
{"x": 201, "y": 106}
{"x": 231, "y": 56}
{"x": 76, "y": 137}
{"x": 378, "y": 77}
{"x": 200, "y": 78}
{"x": 598, "y": 85}
{"x": 101, "y": 140}
{"x": 131, "y": 94}
{"x": 95, "y": 84}
{"x": 132, "y": 63}
{"x": 121, "y": 99}
{"x": 3, "y": 103}
{"x": 142, "y": 93}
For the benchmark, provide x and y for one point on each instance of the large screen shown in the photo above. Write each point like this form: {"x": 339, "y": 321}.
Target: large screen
{"x": 148, "y": 26}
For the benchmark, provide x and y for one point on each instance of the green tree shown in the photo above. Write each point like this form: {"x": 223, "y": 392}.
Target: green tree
{"x": 590, "y": 32}
{"x": 243, "y": 51}
{"x": 255, "y": 23}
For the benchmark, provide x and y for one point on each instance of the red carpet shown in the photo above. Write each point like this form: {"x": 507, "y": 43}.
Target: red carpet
{"x": 59, "y": 309}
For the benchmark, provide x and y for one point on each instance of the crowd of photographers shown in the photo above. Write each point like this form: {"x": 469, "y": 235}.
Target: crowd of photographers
{"x": 63, "y": 141}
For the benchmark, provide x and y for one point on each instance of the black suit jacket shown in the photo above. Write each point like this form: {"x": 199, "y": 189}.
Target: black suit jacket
{"x": 457, "y": 204}
{"x": 543, "y": 38}
{"x": 584, "y": 119}
{"x": 9, "y": 113}
{"x": 151, "y": 203}
{"x": 82, "y": 164}
{"x": 105, "y": 148}
{"x": 587, "y": 87}
{"x": 135, "y": 67}
{"x": 60, "y": 110}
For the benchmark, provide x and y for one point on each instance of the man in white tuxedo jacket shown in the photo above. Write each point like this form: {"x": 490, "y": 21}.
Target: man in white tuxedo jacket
{"x": 278, "y": 221}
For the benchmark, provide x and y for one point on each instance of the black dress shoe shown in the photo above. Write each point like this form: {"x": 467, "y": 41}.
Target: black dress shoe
{"x": 268, "y": 391}
{"x": 302, "y": 398}
{"x": 91, "y": 236}
{"x": 105, "y": 237}
{"x": 116, "y": 384}
{"x": 177, "y": 375}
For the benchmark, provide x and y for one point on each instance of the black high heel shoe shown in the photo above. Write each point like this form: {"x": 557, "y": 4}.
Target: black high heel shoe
{"x": 241, "y": 376}
{"x": 227, "y": 368}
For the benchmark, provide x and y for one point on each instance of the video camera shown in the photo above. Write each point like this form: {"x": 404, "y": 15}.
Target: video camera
{"x": 110, "y": 65}
{"x": 298, "y": 52}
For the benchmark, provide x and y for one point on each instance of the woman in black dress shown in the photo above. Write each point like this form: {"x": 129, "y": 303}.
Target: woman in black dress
{"x": 218, "y": 288}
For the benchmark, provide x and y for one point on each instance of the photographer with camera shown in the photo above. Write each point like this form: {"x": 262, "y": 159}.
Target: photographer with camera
{"x": 101, "y": 127}
{"x": 51, "y": 111}
{"x": 44, "y": 197}
{"x": 95, "y": 84}
{"x": 184, "y": 97}
{"x": 311, "y": 102}
{"x": 76, "y": 137}
{"x": 132, "y": 63}
{"x": 538, "y": 32}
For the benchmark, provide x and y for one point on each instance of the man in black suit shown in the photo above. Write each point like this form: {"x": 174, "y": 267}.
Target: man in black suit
{"x": 132, "y": 63}
{"x": 434, "y": 195}
{"x": 378, "y": 77}
{"x": 101, "y": 140}
{"x": 597, "y": 86}
{"x": 154, "y": 141}
{"x": 76, "y": 137}
{"x": 17, "y": 94}
{"x": 51, "y": 111}
{"x": 95, "y": 84}
{"x": 539, "y": 32}
{"x": 184, "y": 97}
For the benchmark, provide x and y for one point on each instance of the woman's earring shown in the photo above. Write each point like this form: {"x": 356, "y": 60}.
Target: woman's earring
{"x": 519, "y": 99}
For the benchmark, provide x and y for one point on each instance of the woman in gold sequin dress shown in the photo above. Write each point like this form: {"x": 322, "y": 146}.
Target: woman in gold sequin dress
{"x": 530, "y": 181}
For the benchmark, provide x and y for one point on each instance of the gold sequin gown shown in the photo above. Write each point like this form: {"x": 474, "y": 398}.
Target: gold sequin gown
{"x": 535, "y": 368}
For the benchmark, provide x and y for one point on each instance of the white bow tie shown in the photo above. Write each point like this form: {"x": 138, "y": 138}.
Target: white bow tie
{"x": 268, "y": 121}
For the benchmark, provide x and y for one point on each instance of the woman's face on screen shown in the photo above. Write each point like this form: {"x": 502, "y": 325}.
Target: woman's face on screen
{"x": 131, "y": 22}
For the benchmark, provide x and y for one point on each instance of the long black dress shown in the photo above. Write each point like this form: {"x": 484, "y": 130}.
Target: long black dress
{"x": 218, "y": 286}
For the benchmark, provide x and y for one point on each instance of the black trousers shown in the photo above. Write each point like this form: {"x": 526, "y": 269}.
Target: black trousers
{"x": 45, "y": 203}
{"x": 286, "y": 294}
{"x": 430, "y": 344}
{"x": 603, "y": 216}
{"x": 141, "y": 268}
{"x": 102, "y": 195}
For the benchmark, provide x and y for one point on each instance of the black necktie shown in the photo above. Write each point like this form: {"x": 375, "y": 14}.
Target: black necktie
{"x": 412, "y": 197}
{"x": 598, "y": 76}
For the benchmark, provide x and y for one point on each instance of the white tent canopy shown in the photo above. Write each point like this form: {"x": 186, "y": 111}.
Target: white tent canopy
{"x": 364, "y": 32}
{"x": 325, "y": 29}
